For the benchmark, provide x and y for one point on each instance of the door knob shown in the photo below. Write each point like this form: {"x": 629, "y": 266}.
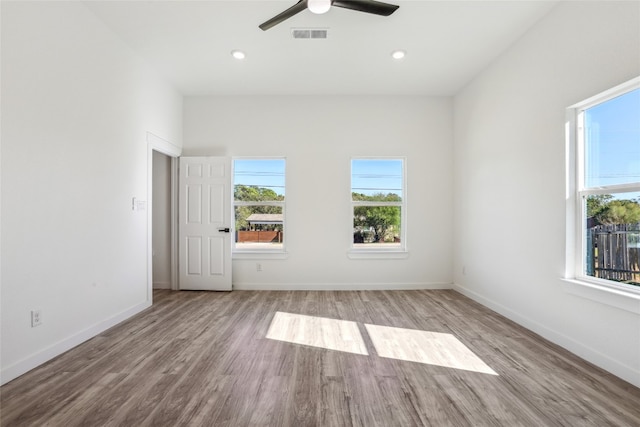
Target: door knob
{"x": 223, "y": 230}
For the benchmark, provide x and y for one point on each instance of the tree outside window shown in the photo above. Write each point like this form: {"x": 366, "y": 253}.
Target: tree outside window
{"x": 377, "y": 190}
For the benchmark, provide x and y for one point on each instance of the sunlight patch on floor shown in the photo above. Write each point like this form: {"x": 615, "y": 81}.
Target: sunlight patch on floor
{"x": 433, "y": 348}
{"x": 411, "y": 345}
{"x": 332, "y": 334}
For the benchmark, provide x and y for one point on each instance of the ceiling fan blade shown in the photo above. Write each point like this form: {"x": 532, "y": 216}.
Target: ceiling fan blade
{"x": 296, "y": 8}
{"x": 368, "y": 6}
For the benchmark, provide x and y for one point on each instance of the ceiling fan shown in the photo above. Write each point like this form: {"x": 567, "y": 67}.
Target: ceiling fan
{"x": 322, "y": 6}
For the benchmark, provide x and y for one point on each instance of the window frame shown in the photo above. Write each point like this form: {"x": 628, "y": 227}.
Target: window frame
{"x": 382, "y": 252}
{"x": 258, "y": 253}
{"x": 576, "y": 195}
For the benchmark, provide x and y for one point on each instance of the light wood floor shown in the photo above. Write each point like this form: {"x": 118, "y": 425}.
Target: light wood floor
{"x": 198, "y": 358}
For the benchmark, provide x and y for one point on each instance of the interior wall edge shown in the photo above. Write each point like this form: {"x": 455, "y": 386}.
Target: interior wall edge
{"x": 620, "y": 370}
{"x": 44, "y": 355}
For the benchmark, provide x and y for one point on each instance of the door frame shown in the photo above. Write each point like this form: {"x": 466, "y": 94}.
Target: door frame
{"x": 155, "y": 143}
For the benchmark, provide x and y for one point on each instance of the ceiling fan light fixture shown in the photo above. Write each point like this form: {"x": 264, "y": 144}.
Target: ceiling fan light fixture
{"x": 398, "y": 54}
{"x": 238, "y": 54}
{"x": 319, "y": 6}
{"x": 374, "y": 7}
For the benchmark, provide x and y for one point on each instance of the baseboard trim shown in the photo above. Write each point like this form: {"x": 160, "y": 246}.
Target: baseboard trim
{"x": 249, "y": 286}
{"x": 161, "y": 285}
{"x": 621, "y": 370}
{"x": 25, "y": 365}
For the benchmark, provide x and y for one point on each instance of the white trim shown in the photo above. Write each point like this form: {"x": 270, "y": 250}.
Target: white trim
{"x": 370, "y": 203}
{"x": 573, "y": 228}
{"x": 265, "y": 254}
{"x": 604, "y": 293}
{"x": 621, "y": 370}
{"x": 275, "y": 203}
{"x": 155, "y": 143}
{"x": 377, "y": 254}
{"x": 163, "y": 146}
{"x": 259, "y": 286}
{"x": 613, "y": 189}
{"x": 607, "y": 94}
{"x": 41, "y": 356}
{"x": 575, "y": 276}
{"x": 174, "y": 285}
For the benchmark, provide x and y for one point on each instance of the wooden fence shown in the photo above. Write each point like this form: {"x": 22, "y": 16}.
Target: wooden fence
{"x": 259, "y": 236}
{"x": 613, "y": 252}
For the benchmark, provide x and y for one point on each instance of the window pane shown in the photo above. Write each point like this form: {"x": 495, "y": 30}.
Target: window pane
{"x": 259, "y": 179}
{"x": 378, "y": 177}
{"x": 376, "y": 225}
{"x": 612, "y": 141}
{"x": 259, "y": 227}
{"x": 612, "y": 237}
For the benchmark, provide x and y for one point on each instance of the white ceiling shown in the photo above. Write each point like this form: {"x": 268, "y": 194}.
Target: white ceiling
{"x": 447, "y": 44}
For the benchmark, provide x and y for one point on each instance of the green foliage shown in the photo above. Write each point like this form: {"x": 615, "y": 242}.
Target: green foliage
{"x": 596, "y": 203}
{"x": 384, "y": 221}
{"x": 378, "y": 197}
{"x": 619, "y": 212}
{"x": 605, "y": 210}
{"x": 248, "y": 193}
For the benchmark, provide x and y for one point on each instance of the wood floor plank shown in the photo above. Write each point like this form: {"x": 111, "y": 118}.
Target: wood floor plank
{"x": 207, "y": 359}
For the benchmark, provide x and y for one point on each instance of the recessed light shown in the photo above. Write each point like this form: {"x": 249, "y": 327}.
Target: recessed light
{"x": 398, "y": 54}
{"x": 238, "y": 54}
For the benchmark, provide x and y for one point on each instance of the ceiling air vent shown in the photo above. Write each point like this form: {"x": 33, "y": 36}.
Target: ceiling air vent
{"x": 309, "y": 33}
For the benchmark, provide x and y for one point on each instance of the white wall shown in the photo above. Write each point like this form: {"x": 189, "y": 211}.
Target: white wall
{"x": 318, "y": 136}
{"x": 510, "y": 178}
{"x": 161, "y": 221}
{"x": 76, "y": 106}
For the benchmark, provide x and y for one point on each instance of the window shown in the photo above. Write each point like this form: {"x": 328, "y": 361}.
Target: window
{"x": 378, "y": 204}
{"x": 608, "y": 188}
{"x": 259, "y": 204}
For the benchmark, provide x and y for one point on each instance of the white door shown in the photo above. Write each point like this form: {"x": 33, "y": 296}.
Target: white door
{"x": 205, "y": 223}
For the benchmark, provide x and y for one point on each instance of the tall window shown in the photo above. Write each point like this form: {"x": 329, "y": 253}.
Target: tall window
{"x": 378, "y": 203}
{"x": 258, "y": 204}
{"x": 608, "y": 187}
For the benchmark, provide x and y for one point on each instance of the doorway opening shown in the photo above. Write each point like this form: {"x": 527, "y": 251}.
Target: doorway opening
{"x": 162, "y": 157}
{"x": 161, "y": 221}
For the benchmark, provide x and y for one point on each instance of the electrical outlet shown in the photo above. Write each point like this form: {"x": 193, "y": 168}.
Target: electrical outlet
{"x": 258, "y": 266}
{"x": 36, "y": 318}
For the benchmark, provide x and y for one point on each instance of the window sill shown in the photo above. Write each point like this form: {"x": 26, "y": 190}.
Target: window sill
{"x": 620, "y": 298}
{"x": 377, "y": 254}
{"x": 259, "y": 255}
